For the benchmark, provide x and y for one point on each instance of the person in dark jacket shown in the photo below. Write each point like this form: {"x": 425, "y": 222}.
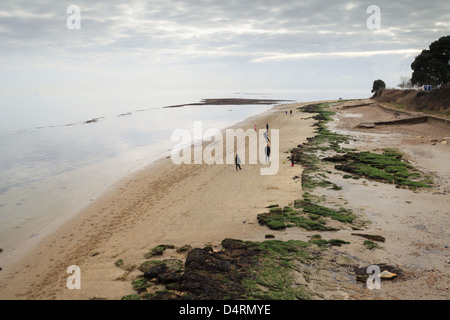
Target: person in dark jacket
{"x": 237, "y": 161}
{"x": 267, "y": 153}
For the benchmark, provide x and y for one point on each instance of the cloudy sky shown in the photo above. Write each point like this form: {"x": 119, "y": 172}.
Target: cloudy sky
{"x": 313, "y": 45}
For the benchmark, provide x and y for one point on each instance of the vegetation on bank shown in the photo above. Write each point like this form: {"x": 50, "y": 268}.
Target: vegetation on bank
{"x": 432, "y": 65}
{"x": 431, "y": 68}
{"x": 436, "y": 102}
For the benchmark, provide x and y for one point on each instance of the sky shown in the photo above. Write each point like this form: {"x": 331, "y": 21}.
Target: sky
{"x": 310, "y": 45}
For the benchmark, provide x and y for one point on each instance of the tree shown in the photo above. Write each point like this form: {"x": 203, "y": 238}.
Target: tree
{"x": 405, "y": 83}
{"x": 378, "y": 84}
{"x": 432, "y": 66}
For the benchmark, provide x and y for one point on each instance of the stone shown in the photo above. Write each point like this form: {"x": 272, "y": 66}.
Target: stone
{"x": 214, "y": 275}
{"x": 167, "y": 271}
{"x": 387, "y": 275}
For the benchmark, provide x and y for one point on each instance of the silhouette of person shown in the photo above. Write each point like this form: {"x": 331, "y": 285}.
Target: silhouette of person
{"x": 267, "y": 153}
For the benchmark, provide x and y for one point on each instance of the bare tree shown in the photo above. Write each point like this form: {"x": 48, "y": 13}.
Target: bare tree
{"x": 405, "y": 83}
{"x": 408, "y": 84}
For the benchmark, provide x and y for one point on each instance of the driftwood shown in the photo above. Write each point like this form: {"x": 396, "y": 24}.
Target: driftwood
{"x": 370, "y": 237}
{"x": 366, "y": 125}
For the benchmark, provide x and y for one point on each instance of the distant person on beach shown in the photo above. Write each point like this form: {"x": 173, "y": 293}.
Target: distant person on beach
{"x": 267, "y": 153}
{"x": 292, "y": 161}
{"x": 267, "y": 127}
{"x": 291, "y": 112}
{"x": 237, "y": 160}
{"x": 256, "y": 127}
{"x": 285, "y": 112}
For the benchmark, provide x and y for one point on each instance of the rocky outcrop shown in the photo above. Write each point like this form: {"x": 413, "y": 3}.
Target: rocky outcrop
{"x": 206, "y": 274}
{"x": 166, "y": 272}
{"x": 215, "y": 275}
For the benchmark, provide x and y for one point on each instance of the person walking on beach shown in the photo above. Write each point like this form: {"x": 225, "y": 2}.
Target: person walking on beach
{"x": 291, "y": 112}
{"x": 267, "y": 127}
{"x": 237, "y": 161}
{"x": 267, "y": 153}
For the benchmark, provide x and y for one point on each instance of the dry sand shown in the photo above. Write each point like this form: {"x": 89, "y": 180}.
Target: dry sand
{"x": 201, "y": 204}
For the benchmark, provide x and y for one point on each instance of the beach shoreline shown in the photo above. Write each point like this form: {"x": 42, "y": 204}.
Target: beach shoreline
{"x": 77, "y": 240}
{"x": 200, "y": 205}
{"x": 33, "y": 210}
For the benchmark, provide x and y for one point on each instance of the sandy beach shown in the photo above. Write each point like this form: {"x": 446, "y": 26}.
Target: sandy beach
{"x": 164, "y": 203}
{"x": 203, "y": 204}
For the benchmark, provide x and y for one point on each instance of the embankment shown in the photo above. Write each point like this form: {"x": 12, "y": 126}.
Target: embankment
{"x": 436, "y": 102}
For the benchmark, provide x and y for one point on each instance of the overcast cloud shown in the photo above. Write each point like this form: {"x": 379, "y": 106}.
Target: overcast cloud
{"x": 199, "y": 44}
